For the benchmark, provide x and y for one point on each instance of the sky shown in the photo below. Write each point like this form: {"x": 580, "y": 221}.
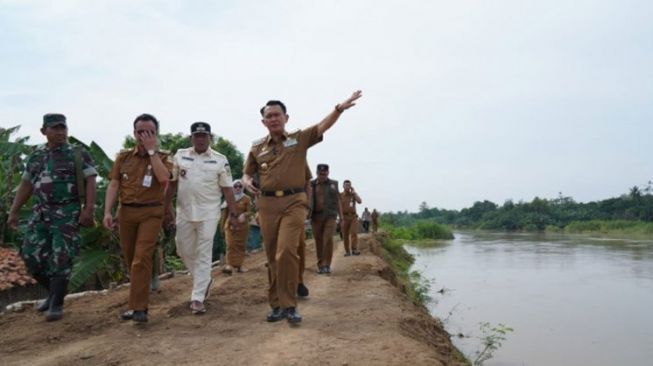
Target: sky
{"x": 462, "y": 100}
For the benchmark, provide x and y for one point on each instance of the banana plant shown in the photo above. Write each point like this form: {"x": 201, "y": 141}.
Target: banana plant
{"x": 11, "y": 167}
{"x": 100, "y": 248}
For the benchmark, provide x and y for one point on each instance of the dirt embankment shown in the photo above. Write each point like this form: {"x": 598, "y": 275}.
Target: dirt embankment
{"x": 354, "y": 316}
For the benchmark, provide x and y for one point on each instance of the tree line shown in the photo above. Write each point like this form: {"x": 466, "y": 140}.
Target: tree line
{"x": 537, "y": 215}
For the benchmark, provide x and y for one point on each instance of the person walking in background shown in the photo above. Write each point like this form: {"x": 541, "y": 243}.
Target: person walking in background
{"x": 325, "y": 208}
{"x": 200, "y": 177}
{"x": 279, "y": 160}
{"x": 375, "y": 220}
{"x": 139, "y": 177}
{"x": 237, "y": 239}
{"x": 349, "y": 225}
{"x": 61, "y": 177}
{"x": 365, "y": 218}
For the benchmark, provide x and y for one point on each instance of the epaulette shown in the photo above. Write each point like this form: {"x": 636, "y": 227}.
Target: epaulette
{"x": 259, "y": 141}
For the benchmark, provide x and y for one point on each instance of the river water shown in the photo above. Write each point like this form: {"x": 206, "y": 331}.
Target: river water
{"x": 571, "y": 300}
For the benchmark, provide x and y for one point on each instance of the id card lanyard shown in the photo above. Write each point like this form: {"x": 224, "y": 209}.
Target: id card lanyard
{"x": 147, "y": 179}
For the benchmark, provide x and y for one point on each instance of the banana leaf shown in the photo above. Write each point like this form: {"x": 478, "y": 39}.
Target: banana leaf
{"x": 86, "y": 265}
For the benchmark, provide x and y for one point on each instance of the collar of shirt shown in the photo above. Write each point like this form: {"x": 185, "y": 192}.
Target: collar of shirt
{"x": 270, "y": 139}
{"x": 62, "y": 147}
{"x": 207, "y": 153}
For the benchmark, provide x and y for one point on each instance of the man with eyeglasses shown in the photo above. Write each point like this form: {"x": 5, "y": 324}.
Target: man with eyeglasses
{"x": 139, "y": 178}
{"x": 200, "y": 177}
{"x": 279, "y": 160}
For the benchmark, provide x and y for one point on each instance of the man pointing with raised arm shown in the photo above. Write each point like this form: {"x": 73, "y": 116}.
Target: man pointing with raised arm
{"x": 279, "y": 161}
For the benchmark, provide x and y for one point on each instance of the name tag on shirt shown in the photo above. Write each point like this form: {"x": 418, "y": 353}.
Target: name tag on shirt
{"x": 147, "y": 181}
{"x": 290, "y": 142}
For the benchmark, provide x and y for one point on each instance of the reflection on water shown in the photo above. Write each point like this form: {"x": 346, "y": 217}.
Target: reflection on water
{"x": 572, "y": 300}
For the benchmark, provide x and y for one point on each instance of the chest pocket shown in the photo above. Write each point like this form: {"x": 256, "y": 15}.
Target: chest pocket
{"x": 63, "y": 178}
{"x": 265, "y": 160}
{"x": 208, "y": 169}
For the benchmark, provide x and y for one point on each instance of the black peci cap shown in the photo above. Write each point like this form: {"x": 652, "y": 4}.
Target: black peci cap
{"x": 200, "y": 127}
{"x": 322, "y": 167}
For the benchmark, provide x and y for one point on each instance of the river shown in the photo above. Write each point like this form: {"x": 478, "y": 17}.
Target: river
{"x": 571, "y": 299}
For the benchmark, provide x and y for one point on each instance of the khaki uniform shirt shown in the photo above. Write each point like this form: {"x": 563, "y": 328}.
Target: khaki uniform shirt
{"x": 130, "y": 169}
{"x": 348, "y": 204}
{"x": 282, "y": 164}
{"x": 200, "y": 178}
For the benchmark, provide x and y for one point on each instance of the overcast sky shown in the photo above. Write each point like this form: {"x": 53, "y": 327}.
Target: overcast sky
{"x": 463, "y": 100}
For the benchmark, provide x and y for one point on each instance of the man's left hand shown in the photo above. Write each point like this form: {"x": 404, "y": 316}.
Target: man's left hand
{"x": 234, "y": 224}
{"x": 86, "y": 218}
{"x": 349, "y": 102}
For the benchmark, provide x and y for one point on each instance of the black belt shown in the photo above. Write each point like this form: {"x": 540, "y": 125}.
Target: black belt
{"x": 281, "y": 193}
{"x": 149, "y": 204}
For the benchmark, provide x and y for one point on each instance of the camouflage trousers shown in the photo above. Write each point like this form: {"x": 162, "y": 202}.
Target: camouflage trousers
{"x": 52, "y": 240}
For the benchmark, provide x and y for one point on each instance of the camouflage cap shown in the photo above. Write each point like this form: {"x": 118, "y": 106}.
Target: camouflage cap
{"x": 53, "y": 119}
{"x": 200, "y": 127}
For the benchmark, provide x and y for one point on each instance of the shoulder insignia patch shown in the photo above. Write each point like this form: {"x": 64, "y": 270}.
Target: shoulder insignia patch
{"x": 259, "y": 141}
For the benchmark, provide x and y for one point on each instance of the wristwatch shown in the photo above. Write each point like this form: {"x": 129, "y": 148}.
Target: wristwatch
{"x": 150, "y": 152}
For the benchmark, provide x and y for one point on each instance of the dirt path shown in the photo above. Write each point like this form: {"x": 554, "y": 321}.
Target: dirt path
{"x": 352, "y": 317}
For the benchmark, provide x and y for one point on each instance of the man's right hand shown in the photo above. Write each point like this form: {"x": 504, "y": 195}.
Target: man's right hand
{"x": 249, "y": 185}
{"x": 169, "y": 219}
{"x": 12, "y": 221}
{"x": 107, "y": 222}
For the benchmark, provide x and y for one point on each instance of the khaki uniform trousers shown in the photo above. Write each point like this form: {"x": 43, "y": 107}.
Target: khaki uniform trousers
{"x": 236, "y": 244}
{"x": 282, "y": 223}
{"x": 301, "y": 251}
{"x": 195, "y": 247}
{"x": 139, "y": 229}
{"x": 350, "y": 233}
{"x": 323, "y": 230}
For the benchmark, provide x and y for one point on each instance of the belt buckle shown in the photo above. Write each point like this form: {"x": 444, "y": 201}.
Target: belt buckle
{"x": 278, "y": 193}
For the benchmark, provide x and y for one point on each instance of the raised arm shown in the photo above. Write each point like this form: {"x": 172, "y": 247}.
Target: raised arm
{"x": 332, "y": 117}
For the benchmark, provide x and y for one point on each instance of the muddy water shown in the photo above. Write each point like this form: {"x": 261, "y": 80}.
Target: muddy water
{"x": 572, "y": 300}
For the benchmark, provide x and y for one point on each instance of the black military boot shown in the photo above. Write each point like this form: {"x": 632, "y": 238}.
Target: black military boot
{"x": 58, "y": 289}
{"x": 45, "y": 282}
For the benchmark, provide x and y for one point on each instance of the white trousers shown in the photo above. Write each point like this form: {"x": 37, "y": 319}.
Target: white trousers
{"x": 195, "y": 247}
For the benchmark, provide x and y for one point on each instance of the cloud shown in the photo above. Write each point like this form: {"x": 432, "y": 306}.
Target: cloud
{"x": 468, "y": 100}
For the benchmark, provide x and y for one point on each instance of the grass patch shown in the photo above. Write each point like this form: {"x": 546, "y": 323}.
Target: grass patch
{"x": 420, "y": 230}
{"x": 416, "y": 286}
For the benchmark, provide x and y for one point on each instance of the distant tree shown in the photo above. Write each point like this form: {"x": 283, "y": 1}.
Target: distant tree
{"x": 635, "y": 193}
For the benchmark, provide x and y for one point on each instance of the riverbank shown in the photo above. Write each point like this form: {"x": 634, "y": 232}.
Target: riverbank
{"x": 356, "y": 316}
{"x": 613, "y": 228}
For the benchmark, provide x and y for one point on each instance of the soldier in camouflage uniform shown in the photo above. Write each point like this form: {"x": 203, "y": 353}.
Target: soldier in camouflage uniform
{"x": 52, "y": 237}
